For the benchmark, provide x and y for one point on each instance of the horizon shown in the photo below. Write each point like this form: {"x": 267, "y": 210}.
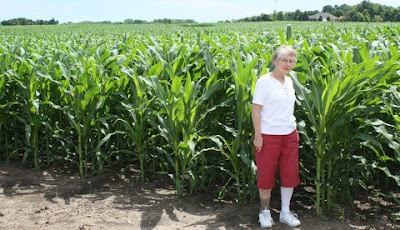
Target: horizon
{"x": 205, "y": 11}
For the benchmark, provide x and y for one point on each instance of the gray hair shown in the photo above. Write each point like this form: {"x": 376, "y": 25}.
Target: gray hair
{"x": 284, "y": 50}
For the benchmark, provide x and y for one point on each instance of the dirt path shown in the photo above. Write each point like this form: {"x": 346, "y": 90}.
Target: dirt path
{"x": 51, "y": 199}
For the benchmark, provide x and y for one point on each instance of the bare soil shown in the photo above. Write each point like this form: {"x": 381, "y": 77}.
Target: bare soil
{"x": 59, "y": 199}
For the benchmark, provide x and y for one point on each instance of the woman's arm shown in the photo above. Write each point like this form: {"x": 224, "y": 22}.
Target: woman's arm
{"x": 256, "y": 117}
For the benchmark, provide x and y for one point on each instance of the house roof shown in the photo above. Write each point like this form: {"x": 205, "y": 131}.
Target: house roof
{"x": 323, "y": 15}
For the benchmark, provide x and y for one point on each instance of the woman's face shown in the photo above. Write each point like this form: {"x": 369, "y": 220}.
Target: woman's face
{"x": 285, "y": 63}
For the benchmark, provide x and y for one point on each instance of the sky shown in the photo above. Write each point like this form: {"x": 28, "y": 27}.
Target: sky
{"x": 199, "y": 10}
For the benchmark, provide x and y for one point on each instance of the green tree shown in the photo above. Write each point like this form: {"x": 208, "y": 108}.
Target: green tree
{"x": 297, "y": 15}
{"x": 364, "y": 6}
{"x": 279, "y": 16}
{"x": 265, "y": 17}
{"x": 328, "y": 9}
{"x": 360, "y": 17}
{"x": 129, "y": 21}
{"x": 389, "y": 15}
{"x": 396, "y": 17}
{"x": 304, "y": 16}
{"x": 366, "y": 15}
{"x": 344, "y": 10}
{"x": 377, "y": 18}
{"x": 53, "y": 22}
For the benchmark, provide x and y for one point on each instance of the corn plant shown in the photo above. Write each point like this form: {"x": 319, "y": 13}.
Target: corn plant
{"x": 32, "y": 87}
{"x": 4, "y": 108}
{"x": 82, "y": 99}
{"x": 182, "y": 109}
{"x": 329, "y": 99}
{"x": 381, "y": 134}
{"x": 136, "y": 124}
{"x": 240, "y": 150}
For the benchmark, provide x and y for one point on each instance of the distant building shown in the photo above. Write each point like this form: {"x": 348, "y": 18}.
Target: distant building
{"x": 324, "y": 17}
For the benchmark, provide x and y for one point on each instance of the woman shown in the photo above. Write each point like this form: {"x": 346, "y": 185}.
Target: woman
{"x": 276, "y": 139}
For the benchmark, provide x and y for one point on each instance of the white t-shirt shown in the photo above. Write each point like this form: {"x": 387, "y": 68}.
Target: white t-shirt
{"x": 277, "y": 102}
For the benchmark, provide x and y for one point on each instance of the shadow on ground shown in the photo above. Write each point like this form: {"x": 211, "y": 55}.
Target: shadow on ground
{"x": 124, "y": 199}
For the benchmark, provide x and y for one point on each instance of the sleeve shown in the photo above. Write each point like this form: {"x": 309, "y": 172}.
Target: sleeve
{"x": 260, "y": 93}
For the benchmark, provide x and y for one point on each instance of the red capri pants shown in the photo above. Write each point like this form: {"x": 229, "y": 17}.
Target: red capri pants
{"x": 282, "y": 150}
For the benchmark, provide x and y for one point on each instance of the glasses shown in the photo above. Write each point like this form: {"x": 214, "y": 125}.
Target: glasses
{"x": 290, "y": 62}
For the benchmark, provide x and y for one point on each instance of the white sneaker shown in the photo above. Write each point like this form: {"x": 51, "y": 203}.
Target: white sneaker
{"x": 265, "y": 219}
{"x": 289, "y": 218}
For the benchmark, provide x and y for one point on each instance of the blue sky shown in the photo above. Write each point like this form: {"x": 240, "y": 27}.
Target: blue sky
{"x": 119, "y": 10}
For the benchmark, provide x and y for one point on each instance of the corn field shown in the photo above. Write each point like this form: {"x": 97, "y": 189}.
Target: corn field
{"x": 174, "y": 100}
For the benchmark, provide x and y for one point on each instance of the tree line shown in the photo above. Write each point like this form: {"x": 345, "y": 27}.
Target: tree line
{"x": 163, "y": 21}
{"x": 362, "y": 12}
{"x": 139, "y": 21}
{"x": 25, "y": 21}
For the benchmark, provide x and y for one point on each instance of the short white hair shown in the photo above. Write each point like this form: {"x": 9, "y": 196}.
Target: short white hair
{"x": 284, "y": 50}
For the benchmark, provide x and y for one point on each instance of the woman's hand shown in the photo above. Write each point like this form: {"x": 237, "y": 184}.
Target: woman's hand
{"x": 258, "y": 142}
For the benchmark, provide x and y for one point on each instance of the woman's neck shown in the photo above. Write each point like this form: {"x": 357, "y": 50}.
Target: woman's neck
{"x": 278, "y": 76}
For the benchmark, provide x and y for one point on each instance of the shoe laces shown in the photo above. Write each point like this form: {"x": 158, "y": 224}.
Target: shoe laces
{"x": 266, "y": 213}
{"x": 291, "y": 215}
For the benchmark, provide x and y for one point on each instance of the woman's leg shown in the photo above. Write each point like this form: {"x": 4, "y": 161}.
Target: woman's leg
{"x": 286, "y": 195}
{"x": 265, "y": 197}
{"x": 289, "y": 173}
